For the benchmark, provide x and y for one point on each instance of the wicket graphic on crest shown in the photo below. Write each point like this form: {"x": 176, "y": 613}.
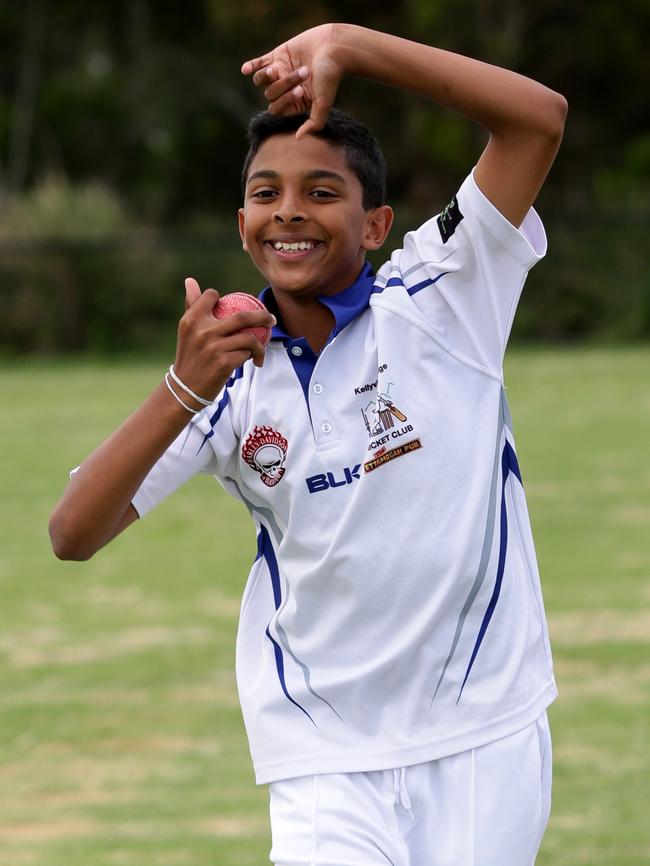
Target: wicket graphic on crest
{"x": 380, "y": 414}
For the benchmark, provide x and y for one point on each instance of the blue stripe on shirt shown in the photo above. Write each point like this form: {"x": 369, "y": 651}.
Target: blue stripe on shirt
{"x": 508, "y": 464}
{"x": 239, "y": 372}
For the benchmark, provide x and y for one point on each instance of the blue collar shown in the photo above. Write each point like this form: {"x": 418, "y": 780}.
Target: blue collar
{"x": 344, "y": 306}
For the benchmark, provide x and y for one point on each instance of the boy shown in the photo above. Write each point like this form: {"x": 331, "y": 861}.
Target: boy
{"x": 392, "y": 658}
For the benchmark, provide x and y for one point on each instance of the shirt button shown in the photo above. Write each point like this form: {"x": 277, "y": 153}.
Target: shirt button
{"x": 296, "y": 351}
{"x": 318, "y": 388}
{"x": 326, "y": 427}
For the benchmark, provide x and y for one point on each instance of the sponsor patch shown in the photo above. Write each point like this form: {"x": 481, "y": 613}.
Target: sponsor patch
{"x": 392, "y": 454}
{"x": 449, "y": 219}
{"x": 265, "y": 451}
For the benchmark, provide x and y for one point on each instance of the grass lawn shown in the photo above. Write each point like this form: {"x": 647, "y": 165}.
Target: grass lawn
{"x": 121, "y": 741}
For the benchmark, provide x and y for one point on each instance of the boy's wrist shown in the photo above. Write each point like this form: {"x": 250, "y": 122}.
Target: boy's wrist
{"x": 344, "y": 47}
{"x": 358, "y": 50}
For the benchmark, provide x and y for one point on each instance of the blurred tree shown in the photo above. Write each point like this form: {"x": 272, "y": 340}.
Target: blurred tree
{"x": 147, "y": 99}
{"x": 21, "y": 109}
{"x": 148, "y": 95}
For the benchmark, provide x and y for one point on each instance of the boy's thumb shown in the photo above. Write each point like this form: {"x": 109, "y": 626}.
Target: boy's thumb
{"x": 192, "y": 292}
{"x": 317, "y": 119}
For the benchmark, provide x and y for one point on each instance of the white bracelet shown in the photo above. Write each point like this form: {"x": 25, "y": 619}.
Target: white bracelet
{"x": 176, "y": 397}
{"x": 187, "y": 390}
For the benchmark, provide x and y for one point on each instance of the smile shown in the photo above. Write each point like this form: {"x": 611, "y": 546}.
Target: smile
{"x": 293, "y": 249}
{"x": 293, "y": 246}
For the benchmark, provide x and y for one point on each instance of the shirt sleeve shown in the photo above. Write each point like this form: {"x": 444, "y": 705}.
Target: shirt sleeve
{"x": 188, "y": 455}
{"x": 209, "y": 444}
{"x": 464, "y": 271}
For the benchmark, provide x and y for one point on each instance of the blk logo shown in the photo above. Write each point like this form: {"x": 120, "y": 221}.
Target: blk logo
{"x": 328, "y": 480}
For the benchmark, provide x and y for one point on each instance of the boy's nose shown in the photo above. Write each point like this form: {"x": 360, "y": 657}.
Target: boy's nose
{"x": 288, "y": 214}
{"x": 280, "y": 217}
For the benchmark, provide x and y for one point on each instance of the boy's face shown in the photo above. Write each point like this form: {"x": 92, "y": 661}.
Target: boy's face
{"x": 302, "y": 192}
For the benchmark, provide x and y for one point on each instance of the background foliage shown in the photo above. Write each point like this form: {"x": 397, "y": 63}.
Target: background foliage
{"x": 134, "y": 114}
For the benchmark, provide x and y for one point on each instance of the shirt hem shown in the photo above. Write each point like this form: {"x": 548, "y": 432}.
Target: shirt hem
{"x": 405, "y": 757}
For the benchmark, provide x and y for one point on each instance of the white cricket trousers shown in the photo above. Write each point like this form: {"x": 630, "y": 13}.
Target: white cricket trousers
{"x": 484, "y": 807}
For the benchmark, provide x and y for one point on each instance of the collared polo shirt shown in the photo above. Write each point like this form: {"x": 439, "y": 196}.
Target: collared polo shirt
{"x": 393, "y": 613}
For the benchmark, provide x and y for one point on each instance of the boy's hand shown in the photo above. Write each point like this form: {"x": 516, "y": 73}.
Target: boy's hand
{"x": 525, "y": 119}
{"x": 97, "y": 504}
{"x": 209, "y": 350}
{"x": 301, "y": 75}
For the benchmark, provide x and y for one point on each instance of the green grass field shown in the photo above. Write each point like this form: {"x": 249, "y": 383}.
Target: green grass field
{"x": 121, "y": 741}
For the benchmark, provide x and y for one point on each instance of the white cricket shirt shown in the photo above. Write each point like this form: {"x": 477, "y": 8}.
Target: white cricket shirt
{"x": 393, "y": 613}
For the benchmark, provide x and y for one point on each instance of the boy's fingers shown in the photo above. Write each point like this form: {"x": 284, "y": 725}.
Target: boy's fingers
{"x": 263, "y": 76}
{"x": 245, "y": 319}
{"x": 192, "y": 292}
{"x": 208, "y": 299}
{"x": 250, "y": 66}
{"x": 204, "y": 302}
{"x": 317, "y": 118}
{"x": 267, "y": 74}
{"x": 257, "y": 352}
{"x": 319, "y": 113}
{"x": 286, "y": 83}
{"x": 305, "y": 129}
{"x": 245, "y": 345}
{"x": 293, "y": 102}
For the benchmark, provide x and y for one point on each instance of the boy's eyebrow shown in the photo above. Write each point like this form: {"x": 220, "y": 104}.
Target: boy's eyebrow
{"x": 271, "y": 175}
{"x": 314, "y": 174}
{"x": 318, "y": 173}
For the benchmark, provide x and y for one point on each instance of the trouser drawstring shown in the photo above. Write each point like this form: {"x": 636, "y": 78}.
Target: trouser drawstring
{"x": 401, "y": 791}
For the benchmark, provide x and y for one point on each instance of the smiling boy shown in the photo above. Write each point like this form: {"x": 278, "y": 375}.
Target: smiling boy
{"x": 393, "y": 663}
{"x": 304, "y": 190}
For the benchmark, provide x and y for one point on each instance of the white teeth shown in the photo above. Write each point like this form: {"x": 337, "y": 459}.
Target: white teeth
{"x": 293, "y": 247}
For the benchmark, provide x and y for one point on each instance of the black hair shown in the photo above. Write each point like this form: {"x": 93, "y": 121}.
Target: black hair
{"x": 362, "y": 152}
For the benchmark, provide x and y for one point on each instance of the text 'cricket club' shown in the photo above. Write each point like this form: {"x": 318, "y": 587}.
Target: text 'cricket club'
{"x": 380, "y": 417}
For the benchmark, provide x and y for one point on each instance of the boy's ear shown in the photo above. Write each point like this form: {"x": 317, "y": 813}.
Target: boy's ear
{"x": 378, "y": 223}
{"x": 241, "y": 220}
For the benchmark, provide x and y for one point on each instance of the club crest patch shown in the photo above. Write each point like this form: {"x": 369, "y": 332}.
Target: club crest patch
{"x": 265, "y": 451}
{"x": 391, "y": 434}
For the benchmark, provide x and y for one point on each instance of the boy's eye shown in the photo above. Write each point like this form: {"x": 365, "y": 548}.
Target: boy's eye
{"x": 267, "y": 193}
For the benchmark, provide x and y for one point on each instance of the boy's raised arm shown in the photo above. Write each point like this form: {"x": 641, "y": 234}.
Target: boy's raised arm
{"x": 525, "y": 119}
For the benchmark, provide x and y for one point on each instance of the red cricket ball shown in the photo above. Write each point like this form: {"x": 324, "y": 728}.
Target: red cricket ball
{"x": 236, "y": 302}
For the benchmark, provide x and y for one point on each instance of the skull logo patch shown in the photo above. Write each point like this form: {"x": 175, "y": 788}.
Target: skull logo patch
{"x": 265, "y": 451}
